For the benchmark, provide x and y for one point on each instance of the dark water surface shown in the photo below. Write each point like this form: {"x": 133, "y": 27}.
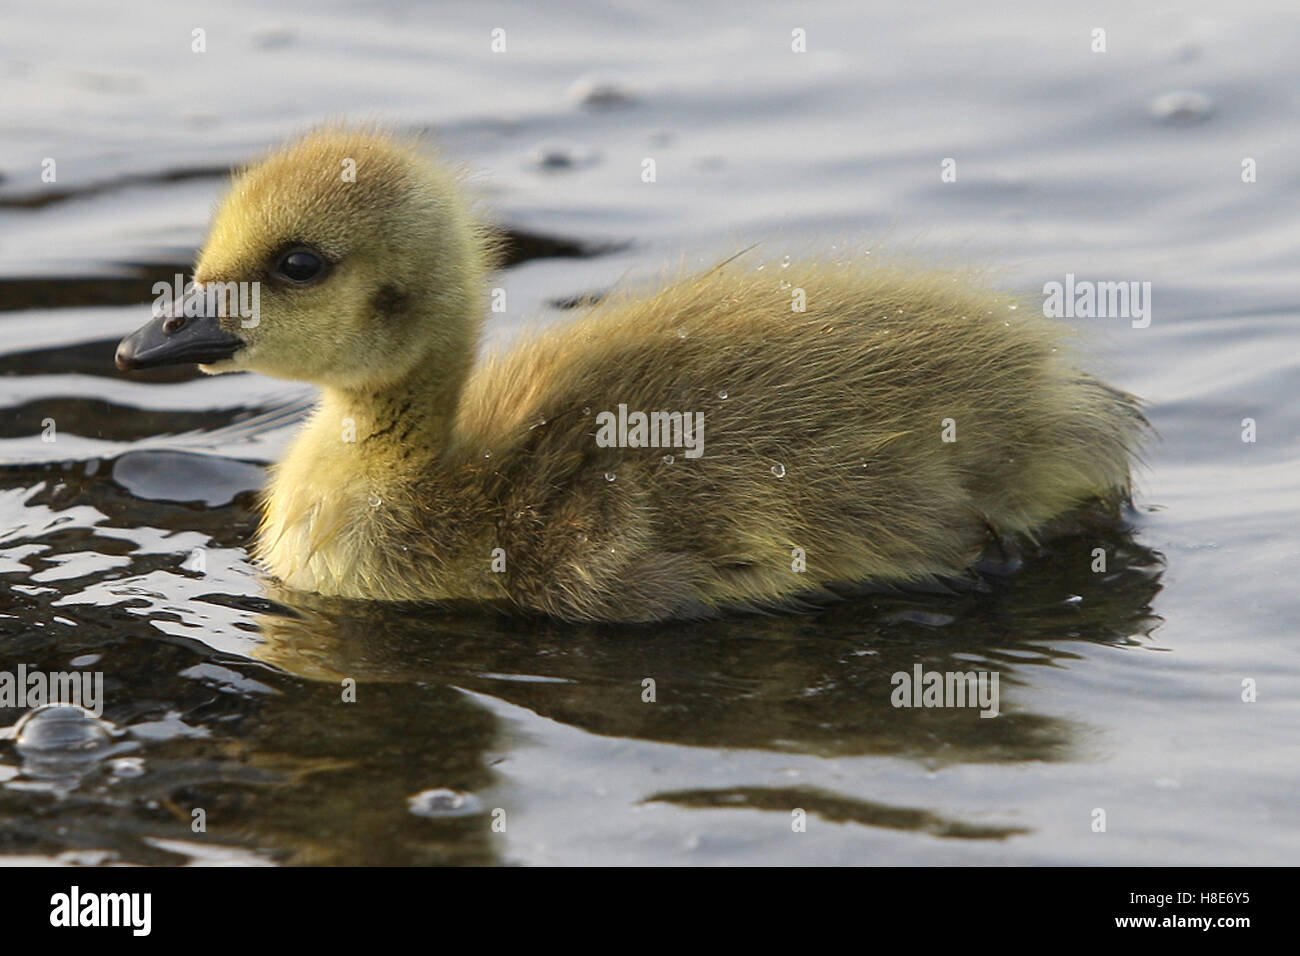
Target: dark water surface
{"x": 123, "y": 539}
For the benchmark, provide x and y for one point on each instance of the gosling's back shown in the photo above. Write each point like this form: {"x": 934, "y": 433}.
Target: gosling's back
{"x": 879, "y": 435}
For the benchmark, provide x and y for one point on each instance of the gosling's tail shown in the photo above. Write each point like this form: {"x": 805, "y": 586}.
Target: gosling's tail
{"x": 1121, "y": 429}
{"x": 1101, "y": 433}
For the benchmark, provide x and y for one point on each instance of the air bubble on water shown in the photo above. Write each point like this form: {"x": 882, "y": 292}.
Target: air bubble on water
{"x": 443, "y": 803}
{"x": 681, "y": 333}
{"x": 1181, "y": 108}
{"x": 587, "y": 410}
{"x": 268, "y": 38}
{"x": 86, "y": 857}
{"x": 376, "y": 501}
{"x": 127, "y": 767}
{"x": 610, "y": 476}
{"x": 582, "y": 538}
{"x": 785, "y": 262}
{"x": 60, "y": 727}
{"x": 64, "y": 742}
{"x": 562, "y": 154}
{"x": 602, "y": 91}
{"x": 487, "y": 454}
{"x": 669, "y": 459}
{"x": 722, "y": 394}
{"x": 779, "y": 470}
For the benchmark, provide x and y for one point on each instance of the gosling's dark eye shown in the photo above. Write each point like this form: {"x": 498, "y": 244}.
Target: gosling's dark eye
{"x": 300, "y": 266}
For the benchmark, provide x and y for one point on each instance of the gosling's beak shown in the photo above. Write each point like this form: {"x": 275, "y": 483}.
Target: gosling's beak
{"x": 173, "y": 338}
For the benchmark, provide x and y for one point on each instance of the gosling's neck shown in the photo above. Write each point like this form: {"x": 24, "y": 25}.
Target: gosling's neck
{"x": 409, "y": 419}
{"x": 414, "y": 412}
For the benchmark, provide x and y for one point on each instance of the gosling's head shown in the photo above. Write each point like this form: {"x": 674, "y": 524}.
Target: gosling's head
{"x": 366, "y": 258}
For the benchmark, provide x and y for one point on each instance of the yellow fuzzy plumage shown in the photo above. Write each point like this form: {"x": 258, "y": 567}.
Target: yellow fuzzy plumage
{"x": 424, "y": 476}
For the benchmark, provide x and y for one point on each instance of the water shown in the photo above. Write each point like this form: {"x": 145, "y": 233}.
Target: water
{"x": 468, "y": 738}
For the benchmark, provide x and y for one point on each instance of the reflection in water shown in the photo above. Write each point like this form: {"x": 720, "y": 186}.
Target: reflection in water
{"x": 836, "y": 809}
{"x": 817, "y": 683}
{"x": 809, "y": 683}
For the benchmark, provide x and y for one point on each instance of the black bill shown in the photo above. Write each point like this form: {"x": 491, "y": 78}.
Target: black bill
{"x": 176, "y": 340}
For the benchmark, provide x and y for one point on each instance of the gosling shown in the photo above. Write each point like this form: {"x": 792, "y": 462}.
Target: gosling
{"x": 744, "y": 438}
